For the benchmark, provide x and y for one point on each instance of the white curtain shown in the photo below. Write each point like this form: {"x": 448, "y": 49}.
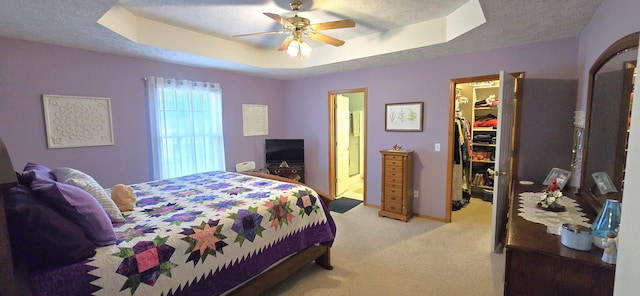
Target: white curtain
{"x": 186, "y": 127}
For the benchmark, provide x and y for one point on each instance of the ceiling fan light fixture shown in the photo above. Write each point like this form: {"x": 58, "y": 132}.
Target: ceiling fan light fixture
{"x": 298, "y": 47}
{"x": 298, "y": 26}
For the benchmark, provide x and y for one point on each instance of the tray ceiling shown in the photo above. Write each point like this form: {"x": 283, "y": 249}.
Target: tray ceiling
{"x": 199, "y": 32}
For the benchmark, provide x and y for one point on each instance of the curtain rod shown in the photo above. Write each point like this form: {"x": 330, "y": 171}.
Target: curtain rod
{"x": 210, "y": 83}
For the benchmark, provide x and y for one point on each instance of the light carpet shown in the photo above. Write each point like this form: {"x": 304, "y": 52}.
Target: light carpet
{"x": 381, "y": 256}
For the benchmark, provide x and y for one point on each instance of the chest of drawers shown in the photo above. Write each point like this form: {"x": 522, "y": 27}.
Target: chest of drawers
{"x": 397, "y": 185}
{"x": 537, "y": 263}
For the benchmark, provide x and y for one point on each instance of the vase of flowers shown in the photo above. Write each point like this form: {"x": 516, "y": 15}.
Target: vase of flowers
{"x": 549, "y": 201}
{"x": 550, "y": 197}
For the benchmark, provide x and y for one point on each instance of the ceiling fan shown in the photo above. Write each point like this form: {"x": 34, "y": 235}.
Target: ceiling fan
{"x": 298, "y": 26}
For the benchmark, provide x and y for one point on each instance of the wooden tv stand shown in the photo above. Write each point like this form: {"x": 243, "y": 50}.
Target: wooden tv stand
{"x": 293, "y": 171}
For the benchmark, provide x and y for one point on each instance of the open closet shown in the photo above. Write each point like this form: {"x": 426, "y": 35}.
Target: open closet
{"x": 475, "y": 127}
{"x": 484, "y": 125}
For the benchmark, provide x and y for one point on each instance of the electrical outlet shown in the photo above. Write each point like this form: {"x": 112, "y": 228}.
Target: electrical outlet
{"x": 437, "y": 147}
{"x": 415, "y": 194}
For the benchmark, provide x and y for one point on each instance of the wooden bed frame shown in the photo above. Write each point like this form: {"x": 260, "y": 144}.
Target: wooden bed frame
{"x": 10, "y": 286}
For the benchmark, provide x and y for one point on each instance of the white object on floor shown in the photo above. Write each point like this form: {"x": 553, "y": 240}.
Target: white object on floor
{"x": 525, "y": 182}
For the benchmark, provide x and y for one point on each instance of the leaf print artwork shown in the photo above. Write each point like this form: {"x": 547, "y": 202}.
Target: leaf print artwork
{"x": 404, "y": 116}
{"x": 412, "y": 115}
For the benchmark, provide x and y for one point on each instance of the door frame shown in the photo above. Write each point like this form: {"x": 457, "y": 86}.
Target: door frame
{"x": 516, "y": 136}
{"x": 332, "y": 139}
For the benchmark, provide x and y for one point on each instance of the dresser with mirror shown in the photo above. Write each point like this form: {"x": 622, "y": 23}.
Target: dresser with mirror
{"x": 608, "y": 116}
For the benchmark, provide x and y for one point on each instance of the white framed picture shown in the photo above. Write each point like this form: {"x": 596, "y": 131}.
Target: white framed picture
{"x": 73, "y": 121}
{"x": 255, "y": 120}
{"x": 561, "y": 176}
{"x": 604, "y": 183}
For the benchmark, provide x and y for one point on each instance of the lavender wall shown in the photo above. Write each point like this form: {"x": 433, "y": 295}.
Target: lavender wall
{"x": 425, "y": 80}
{"x": 613, "y": 20}
{"x": 546, "y": 127}
{"x": 298, "y": 108}
{"x": 28, "y": 70}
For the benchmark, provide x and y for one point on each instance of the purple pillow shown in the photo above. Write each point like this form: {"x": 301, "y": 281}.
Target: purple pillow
{"x": 34, "y": 170}
{"x": 40, "y": 235}
{"x": 80, "y": 207}
{"x": 22, "y": 179}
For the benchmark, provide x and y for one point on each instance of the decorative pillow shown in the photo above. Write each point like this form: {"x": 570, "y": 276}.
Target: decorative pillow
{"x": 41, "y": 235}
{"x": 79, "y": 206}
{"x": 87, "y": 183}
{"x": 22, "y": 179}
{"x": 32, "y": 170}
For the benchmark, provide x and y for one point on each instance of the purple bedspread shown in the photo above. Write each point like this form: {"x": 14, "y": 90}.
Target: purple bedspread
{"x": 201, "y": 234}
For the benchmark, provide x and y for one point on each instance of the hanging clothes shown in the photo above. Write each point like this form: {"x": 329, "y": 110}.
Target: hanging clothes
{"x": 456, "y": 184}
{"x": 462, "y": 141}
{"x": 461, "y": 163}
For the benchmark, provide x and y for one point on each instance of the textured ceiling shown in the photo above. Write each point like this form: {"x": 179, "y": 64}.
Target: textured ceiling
{"x": 73, "y": 23}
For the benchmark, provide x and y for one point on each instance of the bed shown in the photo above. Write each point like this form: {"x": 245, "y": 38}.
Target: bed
{"x": 213, "y": 233}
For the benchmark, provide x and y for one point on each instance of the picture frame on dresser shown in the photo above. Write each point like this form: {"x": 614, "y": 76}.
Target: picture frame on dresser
{"x": 603, "y": 182}
{"x": 404, "y": 117}
{"x": 561, "y": 176}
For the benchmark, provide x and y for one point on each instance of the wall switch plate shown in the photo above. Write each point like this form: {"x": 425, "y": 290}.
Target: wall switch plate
{"x": 437, "y": 146}
{"x": 415, "y": 194}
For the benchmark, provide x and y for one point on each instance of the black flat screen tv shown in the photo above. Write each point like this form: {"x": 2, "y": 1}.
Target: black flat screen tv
{"x": 279, "y": 150}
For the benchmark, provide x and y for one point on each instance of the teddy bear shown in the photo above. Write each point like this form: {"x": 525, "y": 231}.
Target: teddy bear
{"x": 124, "y": 197}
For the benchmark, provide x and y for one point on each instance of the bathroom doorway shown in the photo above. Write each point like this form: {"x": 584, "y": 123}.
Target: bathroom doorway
{"x": 347, "y": 138}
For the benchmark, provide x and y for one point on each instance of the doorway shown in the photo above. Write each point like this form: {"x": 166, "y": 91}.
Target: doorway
{"x": 475, "y": 127}
{"x": 347, "y": 141}
{"x": 481, "y": 161}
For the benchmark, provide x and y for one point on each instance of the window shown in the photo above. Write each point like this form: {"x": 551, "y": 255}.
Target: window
{"x": 186, "y": 127}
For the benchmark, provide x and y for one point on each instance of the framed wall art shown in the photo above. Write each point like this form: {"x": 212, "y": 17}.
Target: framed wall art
{"x": 255, "y": 120}
{"x": 404, "y": 117}
{"x": 72, "y": 121}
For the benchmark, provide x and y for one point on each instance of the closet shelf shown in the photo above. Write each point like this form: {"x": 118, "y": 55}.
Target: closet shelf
{"x": 495, "y": 85}
{"x": 483, "y": 144}
{"x": 484, "y": 129}
{"x": 483, "y": 161}
{"x": 480, "y": 111}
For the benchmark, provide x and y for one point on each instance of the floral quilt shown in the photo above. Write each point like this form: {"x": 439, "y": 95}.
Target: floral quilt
{"x": 208, "y": 231}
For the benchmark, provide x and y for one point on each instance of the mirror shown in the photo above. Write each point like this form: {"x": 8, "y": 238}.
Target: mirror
{"x": 608, "y": 116}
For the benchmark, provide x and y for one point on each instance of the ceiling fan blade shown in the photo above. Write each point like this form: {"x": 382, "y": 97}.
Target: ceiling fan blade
{"x": 260, "y": 33}
{"x": 285, "y": 23}
{"x": 285, "y": 43}
{"x": 324, "y": 38}
{"x": 333, "y": 25}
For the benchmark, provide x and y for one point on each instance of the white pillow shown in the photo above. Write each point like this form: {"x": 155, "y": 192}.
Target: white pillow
{"x": 87, "y": 183}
